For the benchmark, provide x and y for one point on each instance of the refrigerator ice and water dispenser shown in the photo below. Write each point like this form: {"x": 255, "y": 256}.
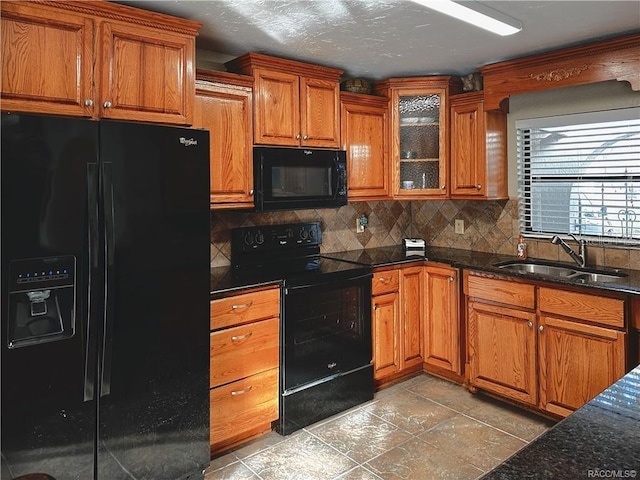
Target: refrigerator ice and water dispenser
{"x": 41, "y": 300}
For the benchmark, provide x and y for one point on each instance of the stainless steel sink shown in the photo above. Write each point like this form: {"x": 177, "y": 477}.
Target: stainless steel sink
{"x": 592, "y": 277}
{"x": 560, "y": 271}
{"x": 537, "y": 268}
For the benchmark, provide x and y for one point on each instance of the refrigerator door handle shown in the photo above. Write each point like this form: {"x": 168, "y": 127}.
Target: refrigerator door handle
{"x": 93, "y": 256}
{"x": 109, "y": 233}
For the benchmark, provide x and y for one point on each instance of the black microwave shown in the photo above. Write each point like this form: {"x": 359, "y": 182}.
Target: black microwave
{"x": 297, "y": 178}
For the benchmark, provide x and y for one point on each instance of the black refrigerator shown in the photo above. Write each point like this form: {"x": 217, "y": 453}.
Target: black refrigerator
{"x": 105, "y": 299}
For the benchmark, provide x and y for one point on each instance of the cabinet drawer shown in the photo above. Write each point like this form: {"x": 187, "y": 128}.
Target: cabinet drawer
{"x": 385, "y": 282}
{"x": 244, "y": 308}
{"x": 239, "y": 406}
{"x": 501, "y": 291}
{"x": 583, "y": 306}
{"x": 242, "y": 351}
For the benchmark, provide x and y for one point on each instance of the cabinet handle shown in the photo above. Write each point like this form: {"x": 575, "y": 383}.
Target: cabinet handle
{"x": 239, "y": 338}
{"x": 385, "y": 279}
{"x": 88, "y": 102}
{"x": 240, "y": 392}
{"x": 479, "y": 187}
{"x": 106, "y": 104}
{"x": 541, "y": 327}
{"x": 530, "y": 324}
{"x": 244, "y": 305}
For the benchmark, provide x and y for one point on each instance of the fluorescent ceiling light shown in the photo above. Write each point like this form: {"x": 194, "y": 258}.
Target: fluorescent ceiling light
{"x": 476, "y": 14}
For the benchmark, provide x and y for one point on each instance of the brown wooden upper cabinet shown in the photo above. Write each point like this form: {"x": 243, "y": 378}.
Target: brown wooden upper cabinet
{"x": 223, "y": 105}
{"x": 295, "y": 104}
{"x": 364, "y": 136}
{"x": 478, "y": 159}
{"x": 98, "y": 60}
{"x": 419, "y": 135}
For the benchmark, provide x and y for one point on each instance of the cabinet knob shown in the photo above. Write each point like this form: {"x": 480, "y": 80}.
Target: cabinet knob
{"x": 443, "y": 187}
{"x": 479, "y": 187}
{"x": 251, "y": 192}
{"x": 541, "y": 327}
{"x": 88, "y": 102}
{"x": 306, "y": 137}
{"x": 106, "y": 104}
{"x": 530, "y": 324}
{"x": 451, "y": 279}
{"x": 298, "y": 137}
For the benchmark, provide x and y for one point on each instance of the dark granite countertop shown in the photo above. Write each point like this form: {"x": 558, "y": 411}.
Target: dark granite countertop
{"x": 222, "y": 281}
{"x": 485, "y": 262}
{"x": 600, "y": 440}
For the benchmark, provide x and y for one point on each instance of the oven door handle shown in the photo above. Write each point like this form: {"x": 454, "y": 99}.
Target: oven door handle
{"x": 365, "y": 276}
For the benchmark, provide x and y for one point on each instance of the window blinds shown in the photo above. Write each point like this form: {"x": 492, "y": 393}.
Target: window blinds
{"x": 580, "y": 174}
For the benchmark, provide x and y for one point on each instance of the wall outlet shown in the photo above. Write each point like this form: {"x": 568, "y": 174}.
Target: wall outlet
{"x": 359, "y": 226}
{"x": 459, "y": 226}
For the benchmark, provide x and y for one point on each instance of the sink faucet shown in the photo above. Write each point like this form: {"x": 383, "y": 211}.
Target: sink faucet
{"x": 581, "y": 257}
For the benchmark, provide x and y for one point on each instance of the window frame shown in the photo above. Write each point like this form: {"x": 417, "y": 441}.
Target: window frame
{"x": 527, "y": 181}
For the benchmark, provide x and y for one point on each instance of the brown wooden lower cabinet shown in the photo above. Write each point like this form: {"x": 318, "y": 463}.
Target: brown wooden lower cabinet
{"x": 244, "y": 366}
{"x": 412, "y": 316}
{"x": 577, "y": 362}
{"x": 397, "y": 317}
{"x": 385, "y": 313}
{"x": 244, "y": 407}
{"x": 502, "y": 351}
{"x": 548, "y": 347}
{"x": 416, "y": 322}
{"x": 578, "y": 359}
{"x": 442, "y": 336}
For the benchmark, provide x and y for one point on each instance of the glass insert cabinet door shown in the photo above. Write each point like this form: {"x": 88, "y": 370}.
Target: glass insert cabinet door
{"x": 419, "y": 142}
{"x": 419, "y": 137}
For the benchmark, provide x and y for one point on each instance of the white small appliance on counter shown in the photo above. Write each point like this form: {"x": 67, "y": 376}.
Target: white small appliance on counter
{"x": 413, "y": 246}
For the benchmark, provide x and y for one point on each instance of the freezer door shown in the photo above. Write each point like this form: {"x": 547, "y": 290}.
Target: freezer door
{"x": 48, "y": 172}
{"x": 154, "y": 377}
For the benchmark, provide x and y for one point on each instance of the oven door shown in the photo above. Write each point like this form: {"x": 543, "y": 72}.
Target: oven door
{"x": 326, "y": 330}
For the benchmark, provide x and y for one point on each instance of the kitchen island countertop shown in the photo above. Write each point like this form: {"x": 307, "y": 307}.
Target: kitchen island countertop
{"x": 600, "y": 440}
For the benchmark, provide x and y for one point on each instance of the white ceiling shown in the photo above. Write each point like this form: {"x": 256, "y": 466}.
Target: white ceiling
{"x": 376, "y": 39}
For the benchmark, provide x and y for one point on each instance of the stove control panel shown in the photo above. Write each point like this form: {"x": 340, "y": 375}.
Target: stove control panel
{"x": 276, "y": 237}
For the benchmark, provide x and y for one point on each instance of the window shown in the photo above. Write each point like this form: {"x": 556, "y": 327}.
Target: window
{"x": 580, "y": 174}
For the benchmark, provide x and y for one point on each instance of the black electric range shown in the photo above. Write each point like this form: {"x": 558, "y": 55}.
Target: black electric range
{"x": 325, "y": 327}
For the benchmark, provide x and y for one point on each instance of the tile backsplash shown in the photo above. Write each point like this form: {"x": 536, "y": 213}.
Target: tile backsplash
{"x": 490, "y": 226}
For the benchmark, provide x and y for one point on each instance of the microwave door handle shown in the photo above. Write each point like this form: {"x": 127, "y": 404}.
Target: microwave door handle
{"x": 340, "y": 185}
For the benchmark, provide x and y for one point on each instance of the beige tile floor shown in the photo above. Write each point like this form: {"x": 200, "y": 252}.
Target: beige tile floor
{"x": 422, "y": 428}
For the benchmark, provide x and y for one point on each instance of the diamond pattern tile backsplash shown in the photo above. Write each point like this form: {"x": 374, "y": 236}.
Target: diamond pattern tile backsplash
{"x": 490, "y": 226}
